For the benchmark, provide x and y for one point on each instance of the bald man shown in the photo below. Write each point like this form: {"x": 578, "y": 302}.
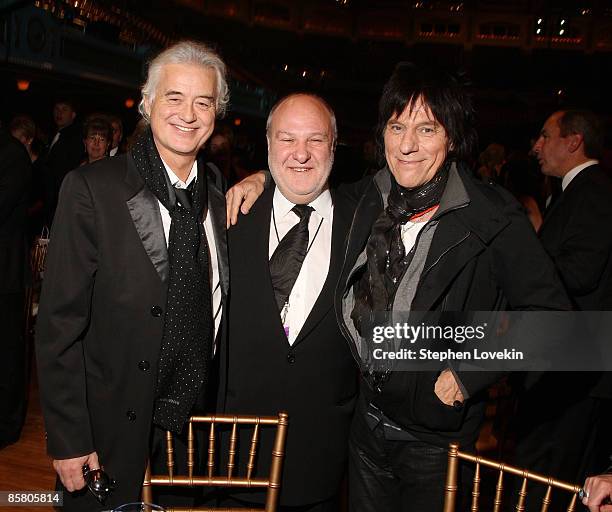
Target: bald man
{"x": 285, "y": 350}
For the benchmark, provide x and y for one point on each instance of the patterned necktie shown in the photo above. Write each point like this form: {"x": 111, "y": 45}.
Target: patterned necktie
{"x": 286, "y": 262}
{"x": 185, "y": 195}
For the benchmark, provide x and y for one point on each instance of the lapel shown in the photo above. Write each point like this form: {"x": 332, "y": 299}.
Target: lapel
{"x": 255, "y": 232}
{"x": 343, "y": 212}
{"x": 367, "y": 211}
{"x": 217, "y": 212}
{"x": 144, "y": 210}
{"x": 467, "y": 222}
{"x": 548, "y": 213}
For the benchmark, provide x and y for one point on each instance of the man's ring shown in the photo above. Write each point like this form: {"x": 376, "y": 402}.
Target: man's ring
{"x": 583, "y": 494}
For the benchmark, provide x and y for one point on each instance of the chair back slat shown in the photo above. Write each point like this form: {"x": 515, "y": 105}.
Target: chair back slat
{"x": 190, "y": 449}
{"x": 572, "y": 505}
{"x": 170, "y": 454}
{"x": 232, "y": 451}
{"x": 253, "y": 451}
{"x": 211, "y": 449}
{"x": 476, "y": 489}
{"x": 522, "y": 496}
{"x": 499, "y": 492}
{"x": 546, "y": 499}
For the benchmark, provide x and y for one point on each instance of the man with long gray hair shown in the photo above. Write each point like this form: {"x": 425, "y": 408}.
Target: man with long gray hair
{"x": 136, "y": 285}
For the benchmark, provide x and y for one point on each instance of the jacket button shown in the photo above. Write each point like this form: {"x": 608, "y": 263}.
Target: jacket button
{"x": 291, "y": 359}
{"x": 156, "y": 311}
{"x": 144, "y": 365}
{"x": 131, "y": 415}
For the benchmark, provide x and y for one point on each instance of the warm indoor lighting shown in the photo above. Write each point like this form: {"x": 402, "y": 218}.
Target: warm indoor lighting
{"x": 538, "y": 31}
{"x": 539, "y": 21}
{"x": 237, "y": 121}
{"x": 561, "y": 32}
{"x": 23, "y": 85}
{"x": 129, "y": 103}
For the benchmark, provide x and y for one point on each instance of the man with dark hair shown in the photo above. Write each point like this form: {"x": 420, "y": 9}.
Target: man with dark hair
{"x": 15, "y": 179}
{"x": 560, "y": 419}
{"x": 117, "y": 127}
{"x": 428, "y": 237}
{"x": 65, "y": 153}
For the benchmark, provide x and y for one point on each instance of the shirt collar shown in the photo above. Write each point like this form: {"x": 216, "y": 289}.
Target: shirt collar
{"x": 565, "y": 181}
{"x": 322, "y": 204}
{"x": 174, "y": 179}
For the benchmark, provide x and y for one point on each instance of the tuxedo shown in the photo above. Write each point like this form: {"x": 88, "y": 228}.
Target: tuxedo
{"x": 101, "y": 319}
{"x": 562, "y": 423}
{"x": 314, "y": 379}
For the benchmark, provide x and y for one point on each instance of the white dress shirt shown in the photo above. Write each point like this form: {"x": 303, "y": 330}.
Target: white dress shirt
{"x": 565, "y": 181}
{"x": 210, "y": 237}
{"x": 314, "y": 270}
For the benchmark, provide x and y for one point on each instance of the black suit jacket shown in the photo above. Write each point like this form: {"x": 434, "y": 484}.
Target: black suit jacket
{"x": 577, "y": 234}
{"x": 314, "y": 380}
{"x": 66, "y": 154}
{"x": 101, "y": 320}
{"x": 15, "y": 178}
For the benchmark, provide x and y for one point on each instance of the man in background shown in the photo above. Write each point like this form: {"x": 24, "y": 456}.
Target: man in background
{"x": 562, "y": 420}
{"x": 117, "y": 126}
{"x": 65, "y": 153}
{"x": 285, "y": 350}
{"x": 15, "y": 178}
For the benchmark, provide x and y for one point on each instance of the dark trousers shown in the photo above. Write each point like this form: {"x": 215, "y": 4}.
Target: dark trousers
{"x": 12, "y": 367}
{"x": 323, "y": 506}
{"x": 391, "y": 476}
{"x": 570, "y": 446}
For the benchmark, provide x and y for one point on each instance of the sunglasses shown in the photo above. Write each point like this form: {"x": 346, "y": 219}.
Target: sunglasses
{"x": 98, "y": 483}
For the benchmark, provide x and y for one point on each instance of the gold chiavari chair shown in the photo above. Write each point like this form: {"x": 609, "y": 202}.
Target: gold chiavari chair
{"x": 455, "y": 457}
{"x": 231, "y": 479}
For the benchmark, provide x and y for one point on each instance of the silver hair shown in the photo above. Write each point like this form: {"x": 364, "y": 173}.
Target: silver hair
{"x": 330, "y": 111}
{"x": 187, "y": 52}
